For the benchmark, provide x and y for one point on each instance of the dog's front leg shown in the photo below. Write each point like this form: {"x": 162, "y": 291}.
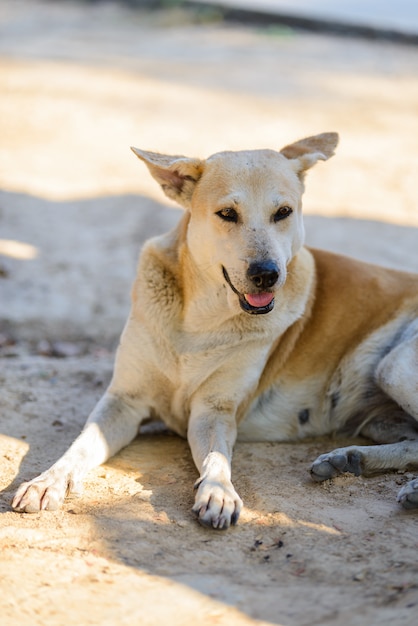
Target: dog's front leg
{"x": 111, "y": 426}
{"x": 211, "y": 436}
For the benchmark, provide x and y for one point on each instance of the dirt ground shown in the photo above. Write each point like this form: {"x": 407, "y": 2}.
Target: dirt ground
{"x": 79, "y": 84}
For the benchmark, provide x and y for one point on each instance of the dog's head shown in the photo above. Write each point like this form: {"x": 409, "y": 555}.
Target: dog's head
{"x": 245, "y": 212}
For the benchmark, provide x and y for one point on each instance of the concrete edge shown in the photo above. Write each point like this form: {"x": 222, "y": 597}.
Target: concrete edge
{"x": 265, "y": 18}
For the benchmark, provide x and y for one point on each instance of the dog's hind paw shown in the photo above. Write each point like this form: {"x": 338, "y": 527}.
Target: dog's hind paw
{"x": 46, "y": 492}
{"x": 408, "y": 495}
{"x": 337, "y": 462}
{"x": 217, "y": 504}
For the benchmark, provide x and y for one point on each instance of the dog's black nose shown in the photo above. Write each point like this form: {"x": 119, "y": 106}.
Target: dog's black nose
{"x": 263, "y": 274}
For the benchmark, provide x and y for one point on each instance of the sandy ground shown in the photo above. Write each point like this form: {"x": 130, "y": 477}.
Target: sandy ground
{"x": 78, "y": 85}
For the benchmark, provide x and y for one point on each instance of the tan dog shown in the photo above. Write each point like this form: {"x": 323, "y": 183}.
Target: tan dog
{"x": 235, "y": 327}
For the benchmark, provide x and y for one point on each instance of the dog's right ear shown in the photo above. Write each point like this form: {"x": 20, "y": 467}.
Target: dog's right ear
{"x": 177, "y": 175}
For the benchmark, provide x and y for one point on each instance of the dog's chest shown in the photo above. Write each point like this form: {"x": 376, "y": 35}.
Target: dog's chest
{"x": 205, "y": 367}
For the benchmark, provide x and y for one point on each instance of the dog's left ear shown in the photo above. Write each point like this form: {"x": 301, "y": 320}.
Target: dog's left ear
{"x": 306, "y": 152}
{"x": 177, "y": 175}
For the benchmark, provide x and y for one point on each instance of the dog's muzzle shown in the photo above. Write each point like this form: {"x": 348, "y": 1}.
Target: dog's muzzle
{"x": 264, "y": 276}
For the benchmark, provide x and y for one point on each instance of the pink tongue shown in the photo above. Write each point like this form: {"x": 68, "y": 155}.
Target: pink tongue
{"x": 259, "y": 299}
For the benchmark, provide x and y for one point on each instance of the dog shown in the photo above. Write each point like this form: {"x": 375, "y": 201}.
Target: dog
{"x": 238, "y": 330}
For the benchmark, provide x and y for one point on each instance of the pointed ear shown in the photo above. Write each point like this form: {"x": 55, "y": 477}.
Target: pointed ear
{"x": 177, "y": 175}
{"x": 308, "y": 151}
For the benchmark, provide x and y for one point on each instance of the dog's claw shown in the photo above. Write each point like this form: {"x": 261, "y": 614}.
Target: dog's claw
{"x": 408, "y": 495}
{"x": 217, "y": 505}
{"x": 337, "y": 462}
{"x": 322, "y": 470}
{"x": 40, "y": 494}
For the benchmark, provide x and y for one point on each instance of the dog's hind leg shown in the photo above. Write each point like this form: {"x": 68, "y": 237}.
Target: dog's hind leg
{"x": 397, "y": 376}
{"x": 112, "y": 425}
{"x": 366, "y": 460}
{"x": 408, "y": 495}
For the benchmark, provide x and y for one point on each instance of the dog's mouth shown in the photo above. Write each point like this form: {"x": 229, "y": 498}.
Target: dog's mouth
{"x": 253, "y": 303}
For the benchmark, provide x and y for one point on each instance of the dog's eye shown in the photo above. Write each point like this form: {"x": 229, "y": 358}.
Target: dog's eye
{"x": 228, "y": 215}
{"x": 281, "y": 213}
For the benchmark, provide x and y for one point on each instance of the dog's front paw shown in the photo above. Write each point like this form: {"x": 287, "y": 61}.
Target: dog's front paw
{"x": 217, "y": 504}
{"x": 46, "y": 492}
{"x": 337, "y": 462}
{"x": 408, "y": 495}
